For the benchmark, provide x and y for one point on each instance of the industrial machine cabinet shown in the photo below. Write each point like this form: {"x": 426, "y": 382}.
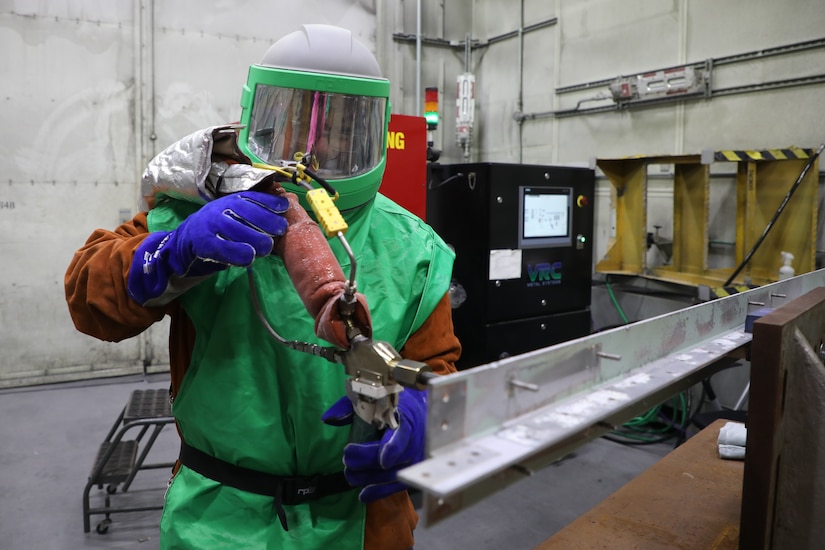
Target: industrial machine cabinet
{"x": 522, "y": 235}
{"x": 118, "y": 460}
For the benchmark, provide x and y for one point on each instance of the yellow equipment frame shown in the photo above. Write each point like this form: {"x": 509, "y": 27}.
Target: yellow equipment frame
{"x": 763, "y": 179}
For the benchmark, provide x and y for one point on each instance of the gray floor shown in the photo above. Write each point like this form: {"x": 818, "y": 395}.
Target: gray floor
{"x": 49, "y": 437}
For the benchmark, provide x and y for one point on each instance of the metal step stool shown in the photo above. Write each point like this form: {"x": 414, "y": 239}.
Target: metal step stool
{"x": 118, "y": 460}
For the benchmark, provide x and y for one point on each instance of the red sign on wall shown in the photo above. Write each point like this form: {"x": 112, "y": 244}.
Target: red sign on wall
{"x": 405, "y": 178}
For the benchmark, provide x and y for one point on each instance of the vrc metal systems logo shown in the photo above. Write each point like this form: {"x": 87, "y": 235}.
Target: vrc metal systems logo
{"x": 544, "y": 274}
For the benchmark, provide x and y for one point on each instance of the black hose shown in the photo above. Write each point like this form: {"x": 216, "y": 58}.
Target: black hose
{"x": 445, "y": 181}
{"x": 321, "y": 181}
{"x": 776, "y": 215}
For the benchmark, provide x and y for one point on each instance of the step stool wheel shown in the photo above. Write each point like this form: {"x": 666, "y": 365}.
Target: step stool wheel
{"x": 103, "y": 526}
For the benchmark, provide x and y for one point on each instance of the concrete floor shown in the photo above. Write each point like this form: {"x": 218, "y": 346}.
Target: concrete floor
{"x": 49, "y": 437}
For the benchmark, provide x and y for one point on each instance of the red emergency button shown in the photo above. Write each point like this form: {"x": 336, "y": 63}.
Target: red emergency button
{"x": 581, "y": 201}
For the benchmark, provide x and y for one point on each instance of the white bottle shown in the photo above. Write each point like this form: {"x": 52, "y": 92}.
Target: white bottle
{"x": 786, "y": 271}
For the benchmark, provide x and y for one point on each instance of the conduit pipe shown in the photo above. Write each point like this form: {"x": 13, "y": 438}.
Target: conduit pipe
{"x": 418, "y": 110}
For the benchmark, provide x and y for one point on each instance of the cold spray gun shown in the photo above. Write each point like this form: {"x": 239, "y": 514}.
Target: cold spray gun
{"x": 377, "y": 372}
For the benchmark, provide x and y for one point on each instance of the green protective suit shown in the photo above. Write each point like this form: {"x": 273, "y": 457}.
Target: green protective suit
{"x": 250, "y": 401}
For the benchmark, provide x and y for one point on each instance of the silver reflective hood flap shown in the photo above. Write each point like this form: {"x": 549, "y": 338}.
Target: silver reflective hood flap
{"x": 187, "y": 170}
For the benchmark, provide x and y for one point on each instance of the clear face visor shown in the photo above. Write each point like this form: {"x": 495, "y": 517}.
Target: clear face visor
{"x": 341, "y": 136}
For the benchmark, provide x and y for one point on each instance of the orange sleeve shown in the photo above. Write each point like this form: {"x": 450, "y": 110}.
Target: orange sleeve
{"x": 95, "y": 284}
{"x": 435, "y": 343}
{"x": 391, "y": 520}
{"x": 99, "y": 302}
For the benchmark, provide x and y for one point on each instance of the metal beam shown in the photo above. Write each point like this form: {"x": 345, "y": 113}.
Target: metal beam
{"x": 491, "y": 425}
{"x": 473, "y": 44}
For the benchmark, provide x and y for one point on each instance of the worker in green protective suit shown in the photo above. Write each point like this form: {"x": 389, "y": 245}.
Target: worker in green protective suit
{"x": 266, "y": 458}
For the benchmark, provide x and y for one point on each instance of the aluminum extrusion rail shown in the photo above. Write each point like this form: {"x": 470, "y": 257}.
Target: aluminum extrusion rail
{"x": 491, "y": 425}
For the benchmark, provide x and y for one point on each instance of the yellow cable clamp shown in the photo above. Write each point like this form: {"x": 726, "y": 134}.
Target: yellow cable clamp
{"x": 301, "y": 175}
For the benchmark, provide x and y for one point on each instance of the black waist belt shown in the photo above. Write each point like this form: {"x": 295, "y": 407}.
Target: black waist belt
{"x": 286, "y": 490}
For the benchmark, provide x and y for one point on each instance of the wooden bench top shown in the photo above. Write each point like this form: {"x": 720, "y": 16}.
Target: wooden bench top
{"x": 689, "y": 499}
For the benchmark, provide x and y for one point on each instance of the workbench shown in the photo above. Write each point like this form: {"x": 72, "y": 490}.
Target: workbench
{"x": 689, "y": 499}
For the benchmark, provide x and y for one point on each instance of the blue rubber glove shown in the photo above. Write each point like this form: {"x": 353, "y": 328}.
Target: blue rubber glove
{"x": 231, "y": 230}
{"x": 374, "y": 465}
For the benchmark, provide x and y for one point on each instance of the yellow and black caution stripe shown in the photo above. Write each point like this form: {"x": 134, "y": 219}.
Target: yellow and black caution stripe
{"x": 722, "y": 291}
{"x": 791, "y": 153}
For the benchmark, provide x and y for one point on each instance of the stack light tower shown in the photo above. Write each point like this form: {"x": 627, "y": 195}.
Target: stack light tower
{"x": 431, "y": 116}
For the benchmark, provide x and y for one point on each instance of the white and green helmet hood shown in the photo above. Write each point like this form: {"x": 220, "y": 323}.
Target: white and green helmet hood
{"x": 319, "y": 92}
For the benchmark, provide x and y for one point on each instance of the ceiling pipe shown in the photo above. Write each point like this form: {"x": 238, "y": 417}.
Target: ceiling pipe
{"x": 418, "y": 111}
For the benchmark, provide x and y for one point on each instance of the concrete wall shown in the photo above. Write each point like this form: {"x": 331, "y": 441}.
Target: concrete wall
{"x": 92, "y": 90}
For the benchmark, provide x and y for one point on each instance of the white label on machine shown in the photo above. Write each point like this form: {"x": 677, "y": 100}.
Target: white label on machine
{"x": 505, "y": 264}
